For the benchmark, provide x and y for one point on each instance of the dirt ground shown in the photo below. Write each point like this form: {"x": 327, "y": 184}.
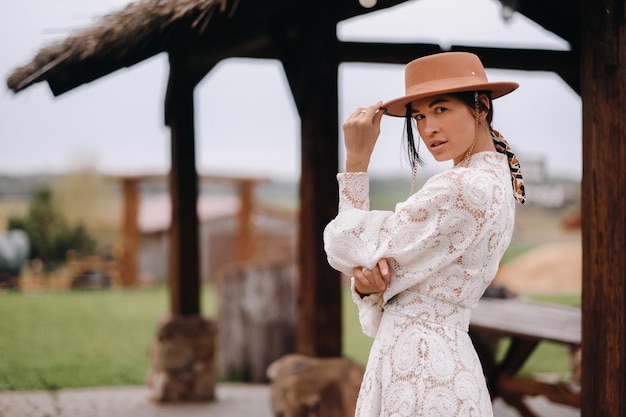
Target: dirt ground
{"x": 551, "y": 267}
{"x": 554, "y": 264}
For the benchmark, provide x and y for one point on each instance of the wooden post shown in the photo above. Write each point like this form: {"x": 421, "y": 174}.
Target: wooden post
{"x": 130, "y": 232}
{"x": 603, "y": 92}
{"x": 245, "y": 227}
{"x": 311, "y": 66}
{"x": 184, "y": 266}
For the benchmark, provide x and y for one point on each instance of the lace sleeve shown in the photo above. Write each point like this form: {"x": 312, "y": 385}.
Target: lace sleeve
{"x": 433, "y": 227}
{"x": 354, "y": 191}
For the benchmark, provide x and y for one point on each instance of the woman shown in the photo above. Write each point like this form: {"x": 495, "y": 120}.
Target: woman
{"x": 418, "y": 271}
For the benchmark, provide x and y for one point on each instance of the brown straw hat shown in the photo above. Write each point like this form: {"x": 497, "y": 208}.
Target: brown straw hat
{"x": 447, "y": 72}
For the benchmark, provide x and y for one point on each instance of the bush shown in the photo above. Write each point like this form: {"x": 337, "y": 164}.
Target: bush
{"x": 51, "y": 237}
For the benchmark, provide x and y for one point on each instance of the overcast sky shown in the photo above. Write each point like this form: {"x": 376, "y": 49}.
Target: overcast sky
{"x": 246, "y": 120}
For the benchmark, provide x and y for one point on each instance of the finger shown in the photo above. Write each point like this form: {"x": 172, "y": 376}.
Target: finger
{"x": 378, "y": 278}
{"x": 363, "y": 291}
{"x": 371, "y": 112}
{"x": 360, "y": 277}
{"x": 383, "y": 265}
{"x": 378, "y": 115}
{"x": 360, "y": 111}
{"x": 369, "y": 276}
{"x": 374, "y": 279}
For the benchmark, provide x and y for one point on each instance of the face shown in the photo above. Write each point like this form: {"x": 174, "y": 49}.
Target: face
{"x": 446, "y": 125}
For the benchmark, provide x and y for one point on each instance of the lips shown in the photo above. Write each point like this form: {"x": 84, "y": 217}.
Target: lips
{"x": 436, "y": 143}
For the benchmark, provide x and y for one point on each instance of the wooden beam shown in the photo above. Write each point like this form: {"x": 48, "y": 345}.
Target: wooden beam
{"x": 520, "y": 386}
{"x": 130, "y": 232}
{"x": 603, "y": 87}
{"x": 260, "y": 44}
{"x": 564, "y": 63}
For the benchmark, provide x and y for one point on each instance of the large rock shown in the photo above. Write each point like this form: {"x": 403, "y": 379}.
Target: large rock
{"x": 303, "y": 386}
{"x": 183, "y": 360}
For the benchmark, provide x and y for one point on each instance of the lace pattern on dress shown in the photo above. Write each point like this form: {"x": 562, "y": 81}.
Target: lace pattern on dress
{"x": 429, "y": 309}
{"x": 444, "y": 244}
{"x": 357, "y": 195}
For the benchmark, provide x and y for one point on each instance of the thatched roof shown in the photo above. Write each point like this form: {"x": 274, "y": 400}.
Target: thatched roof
{"x": 120, "y": 39}
{"x": 210, "y": 30}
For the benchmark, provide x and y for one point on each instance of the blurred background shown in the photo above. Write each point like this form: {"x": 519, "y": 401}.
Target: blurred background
{"x": 65, "y": 163}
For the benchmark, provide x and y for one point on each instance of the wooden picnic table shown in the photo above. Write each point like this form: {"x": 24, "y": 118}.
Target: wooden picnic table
{"x": 526, "y": 324}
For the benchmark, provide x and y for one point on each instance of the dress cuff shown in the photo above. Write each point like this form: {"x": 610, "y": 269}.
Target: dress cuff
{"x": 354, "y": 190}
{"x": 370, "y": 310}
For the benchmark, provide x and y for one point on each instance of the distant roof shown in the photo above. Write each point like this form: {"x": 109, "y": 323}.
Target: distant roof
{"x": 155, "y": 211}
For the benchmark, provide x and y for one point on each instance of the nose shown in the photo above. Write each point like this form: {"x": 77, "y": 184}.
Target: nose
{"x": 428, "y": 126}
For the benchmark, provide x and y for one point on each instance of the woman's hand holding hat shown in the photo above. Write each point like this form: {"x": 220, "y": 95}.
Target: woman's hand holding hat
{"x": 361, "y": 130}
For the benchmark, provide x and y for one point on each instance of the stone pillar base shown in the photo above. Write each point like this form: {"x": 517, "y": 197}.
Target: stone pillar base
{"x": 183, "y": 360}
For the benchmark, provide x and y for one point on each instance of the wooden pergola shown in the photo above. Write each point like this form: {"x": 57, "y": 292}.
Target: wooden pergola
{"x": 131, "y": 233}
{"x": 198, "y": 34}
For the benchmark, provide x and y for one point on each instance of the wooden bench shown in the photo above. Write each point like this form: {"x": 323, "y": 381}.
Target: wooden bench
{"x": 526, "y": 324}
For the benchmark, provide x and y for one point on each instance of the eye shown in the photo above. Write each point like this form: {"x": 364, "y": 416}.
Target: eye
{"x": 419, "y": 116}
{"x": 439, "y": 110}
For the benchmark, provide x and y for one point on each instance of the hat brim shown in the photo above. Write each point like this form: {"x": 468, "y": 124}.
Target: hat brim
{"x": 397, "y": 107}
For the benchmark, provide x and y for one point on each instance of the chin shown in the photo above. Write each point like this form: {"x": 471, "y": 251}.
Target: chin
{"x": 441, "y": 158}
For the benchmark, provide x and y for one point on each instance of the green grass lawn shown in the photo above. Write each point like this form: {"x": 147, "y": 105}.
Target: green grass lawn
{"x": 53, "y": 340}
{"x": 66, "y": 340}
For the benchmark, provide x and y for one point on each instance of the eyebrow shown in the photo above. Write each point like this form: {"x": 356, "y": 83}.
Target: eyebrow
{"x": 436, "y": 101}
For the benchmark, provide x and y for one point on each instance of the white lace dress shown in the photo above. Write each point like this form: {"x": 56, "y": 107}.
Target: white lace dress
{"x": 444, "y": 244}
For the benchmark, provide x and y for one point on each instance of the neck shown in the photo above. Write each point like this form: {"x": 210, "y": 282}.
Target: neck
{"x": 482, "y": 143}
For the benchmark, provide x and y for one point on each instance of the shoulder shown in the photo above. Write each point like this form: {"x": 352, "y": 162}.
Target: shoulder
{"x": 482, "y": 182}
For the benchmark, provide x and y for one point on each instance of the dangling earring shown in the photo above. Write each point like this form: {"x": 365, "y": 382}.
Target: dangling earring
{"x": 476, "y": 114}
{"x": 476, "y": 126}
{"x": 414, "y": 168}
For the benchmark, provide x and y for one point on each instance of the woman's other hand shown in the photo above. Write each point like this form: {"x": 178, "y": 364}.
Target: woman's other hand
{"x": 371, "y": 281}
{"x": 361, "y": 130}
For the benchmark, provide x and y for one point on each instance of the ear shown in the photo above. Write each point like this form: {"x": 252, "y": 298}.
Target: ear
{"x": 484, "y": 105}
{"x": 484, "y": 102}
